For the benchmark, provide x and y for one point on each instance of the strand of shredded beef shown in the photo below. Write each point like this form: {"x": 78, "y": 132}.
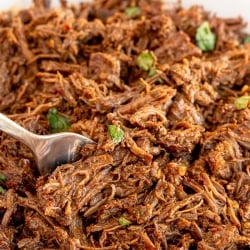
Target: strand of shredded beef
{"x": 180, "y": 178}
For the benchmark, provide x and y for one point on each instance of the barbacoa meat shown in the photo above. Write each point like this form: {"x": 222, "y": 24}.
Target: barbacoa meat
{"x": 180, "y": 176}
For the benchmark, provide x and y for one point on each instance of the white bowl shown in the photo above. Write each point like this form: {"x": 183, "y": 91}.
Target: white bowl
{"x": 229, "y": 8}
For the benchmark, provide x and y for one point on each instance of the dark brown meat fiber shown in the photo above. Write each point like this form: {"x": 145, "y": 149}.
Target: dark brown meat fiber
{"x": 178, "y": 178}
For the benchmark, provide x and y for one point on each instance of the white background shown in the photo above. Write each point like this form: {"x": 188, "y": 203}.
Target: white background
{"x": 226, "y": 8}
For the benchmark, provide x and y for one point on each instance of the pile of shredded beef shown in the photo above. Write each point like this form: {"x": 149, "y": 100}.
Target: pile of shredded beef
{"x": 179, "y": 179}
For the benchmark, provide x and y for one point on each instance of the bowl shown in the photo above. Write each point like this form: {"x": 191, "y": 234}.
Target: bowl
{"x": 224, "y": 9}
{"x": 182, "y": 114}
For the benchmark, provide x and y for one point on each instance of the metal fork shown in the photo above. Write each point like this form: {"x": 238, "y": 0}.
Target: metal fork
{"x": 49, "y": 151}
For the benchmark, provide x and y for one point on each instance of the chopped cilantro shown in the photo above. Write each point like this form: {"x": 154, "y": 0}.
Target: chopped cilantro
{"x": 205, "y": 38}
{"x": 57, "y": 122}
{"x": 159, "y": 80}
{"x": 145, "y": 61}
{"x": 242, "y": 102}
{"x": 116, "y": 133}
{"x": 124, "y": 222}
{"x": 2, "y": 177}
{"x": 152, "y": 72}
{"x": 133, "y": 12}
{"x": 246, "y": 40}
{"x": 2, "y": 190}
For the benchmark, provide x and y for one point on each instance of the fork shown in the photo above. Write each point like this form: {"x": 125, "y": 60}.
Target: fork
{"x": 49, "y": 151}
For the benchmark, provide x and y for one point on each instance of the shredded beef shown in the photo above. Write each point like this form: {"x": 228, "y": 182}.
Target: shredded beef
{"x": 180, "y": 176}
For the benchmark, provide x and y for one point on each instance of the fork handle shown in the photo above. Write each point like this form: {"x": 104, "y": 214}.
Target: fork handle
{"x": 13, "y": 129}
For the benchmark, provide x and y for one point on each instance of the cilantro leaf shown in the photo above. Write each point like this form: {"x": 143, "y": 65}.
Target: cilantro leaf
{"x": 116, "y": 133}
{"x": 152, "y": 71}
{"x": 2, "y": 177}
{"x": 124, "y": 222}
{"x": 205, "y": 38}
{"x": 133, "y": 12}
{"x": 242, "y": 102}
{"x": 145, "y": 61}
{"x": 246, "y": 40}
{"x": 57, "y": 122}
{"x": 2, "y": 190}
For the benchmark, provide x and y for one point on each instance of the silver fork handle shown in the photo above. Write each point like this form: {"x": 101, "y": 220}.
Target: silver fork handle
{"x": 16, "y": 131}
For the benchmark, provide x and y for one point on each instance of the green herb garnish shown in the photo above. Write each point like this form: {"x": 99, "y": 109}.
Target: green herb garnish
{"x": 124, "y": 222}
{"x": 242, "y": 102}
{"x": 116, "y": 133}
{"x": 246, "y": 40}
{"x": 2, "y": 190}
{"x": 145, "y": 61}
{"x": 2, "y": 177}
{"x": 57, "y": 122}
{"x": 159, "y": 80}
{"x": 205, "y": 38}
{"x": 152, "y": 71}
{"x": 133, "y": 12}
